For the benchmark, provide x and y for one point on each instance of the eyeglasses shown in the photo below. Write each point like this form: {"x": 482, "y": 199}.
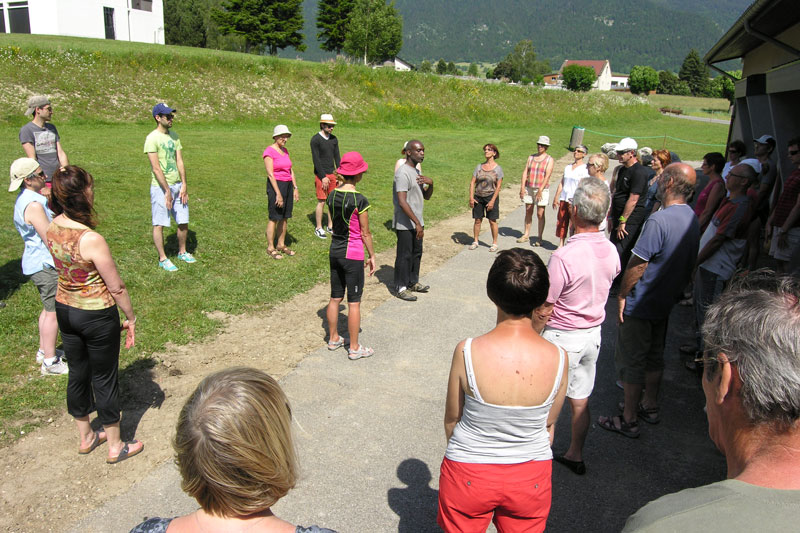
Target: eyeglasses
{"x": 793, "y": 152}
{"x": 329, "y": 126}
{"x": 39, "y": 174}
{"x": 168, "y": 117}
{"x": 738, "y": 175}
{"x": 580, "y": 152}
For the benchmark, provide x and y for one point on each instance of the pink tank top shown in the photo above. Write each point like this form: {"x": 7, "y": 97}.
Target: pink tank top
{"x": 537, "y": 178}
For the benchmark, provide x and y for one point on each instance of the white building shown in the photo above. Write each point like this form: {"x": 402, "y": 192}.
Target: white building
{"x": 396, "y": 63}
{"x": 602, "y": 69}
{"x": 123, "y": 20}
{"x": 619, "y": 81}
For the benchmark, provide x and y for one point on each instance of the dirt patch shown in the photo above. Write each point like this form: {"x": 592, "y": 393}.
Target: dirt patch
{"x": 46, "y": 486}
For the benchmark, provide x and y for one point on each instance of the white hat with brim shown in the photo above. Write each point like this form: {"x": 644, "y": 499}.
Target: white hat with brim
{"x": 281, "y": 129}
{"x": 544, "y": 140}
{"x": 327, "y": 118}
{"x": 20, "y": 169}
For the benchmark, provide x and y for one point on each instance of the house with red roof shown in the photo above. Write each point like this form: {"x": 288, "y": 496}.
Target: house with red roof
{"x": 602, "y": 69}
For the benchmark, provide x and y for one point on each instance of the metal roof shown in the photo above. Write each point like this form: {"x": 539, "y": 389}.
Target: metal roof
{"x": 770, "y": 17}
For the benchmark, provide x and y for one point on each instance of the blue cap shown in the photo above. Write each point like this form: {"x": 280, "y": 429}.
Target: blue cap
{"x": 162, "y": 109}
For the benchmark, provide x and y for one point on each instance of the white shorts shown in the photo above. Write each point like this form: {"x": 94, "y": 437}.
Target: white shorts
{"x": 582, "y": 347}
{"x": 533, "y": 191}
{"x": 158, "y": 206}
{"x": 784, "y": 254}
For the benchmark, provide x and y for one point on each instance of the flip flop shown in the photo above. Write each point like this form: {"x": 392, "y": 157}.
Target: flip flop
{"x": 125, "y": 453}
{"x": 98, "y": 440}
{"x": 275, "y": 254}
{"x": 579, "y": 467}
{"x": 629, "y": 429}
{"x": 287, "y": 251}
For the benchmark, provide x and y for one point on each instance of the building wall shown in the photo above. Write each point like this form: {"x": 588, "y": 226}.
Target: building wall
{"x": 768, "y": 56}
{"x": 603, "y": 82}
{"x": 85, "y": 18}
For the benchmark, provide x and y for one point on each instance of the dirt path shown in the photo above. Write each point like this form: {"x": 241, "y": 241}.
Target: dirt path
{"x": 46, "y": 486}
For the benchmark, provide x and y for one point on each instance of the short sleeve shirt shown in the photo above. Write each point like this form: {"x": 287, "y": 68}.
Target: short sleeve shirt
{"x": 405, "y": 180}
{"x": 486, "y": 180}
{"x": 787, "y": 200}
{"x": 45, "y": 142}
{"x": 668, "y": 242}
{"x": 281, "y": 163}
{"x": 631, "y": 180}
{"x": 166, "y": 146}
{"x": 344, "y": 208}
{"x": 731, "y": 221}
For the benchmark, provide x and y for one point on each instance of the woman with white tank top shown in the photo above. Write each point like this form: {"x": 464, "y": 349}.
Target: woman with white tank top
{"x": 505, "y": 391}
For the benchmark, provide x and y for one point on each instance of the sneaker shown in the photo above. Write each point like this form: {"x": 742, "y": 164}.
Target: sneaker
{"x": 419, "y": 287}
{"x": 40, "y": 356}
{"x": 319, "y": 232}
{"x": 167, "y": 265}
{"x": 58, "y": 367}
{"x": 359, "y": 353}
{"x": 186, "y": 257}
{"x": 407, "y": 296}
{"x": 329, "y": 229}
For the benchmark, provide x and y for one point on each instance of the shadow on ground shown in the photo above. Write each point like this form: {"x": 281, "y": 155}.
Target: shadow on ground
{"x": 138, "y": 393}
{"x": 417, "y": 503}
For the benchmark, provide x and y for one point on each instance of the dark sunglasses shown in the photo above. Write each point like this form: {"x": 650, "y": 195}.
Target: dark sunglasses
{"x": 793, "y": 152}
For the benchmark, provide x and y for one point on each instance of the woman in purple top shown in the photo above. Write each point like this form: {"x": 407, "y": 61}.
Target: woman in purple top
{"x": 281, "y": 191}
{"x": 348, "y": 214}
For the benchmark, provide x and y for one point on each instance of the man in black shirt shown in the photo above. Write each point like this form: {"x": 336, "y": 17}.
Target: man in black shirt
{"x": 627, "y": 205}
{"x": 325, "y": 154}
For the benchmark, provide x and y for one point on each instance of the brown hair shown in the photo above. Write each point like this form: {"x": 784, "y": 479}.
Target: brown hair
{"x": 494, "y": 149}
{"x": 518, "y": 281}
{"x": 663, "y": 157}
{"x": 233, "y": 443}
{"x": 69, "y": 196}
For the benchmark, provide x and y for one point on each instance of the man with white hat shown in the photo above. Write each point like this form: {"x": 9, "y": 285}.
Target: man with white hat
{"x": 630, "y": 196}
{"x": 31, "y": 218}
{"x": 40, "y": 138}
{"x": 325, "y": 155}
{"x": 168, "y": 194}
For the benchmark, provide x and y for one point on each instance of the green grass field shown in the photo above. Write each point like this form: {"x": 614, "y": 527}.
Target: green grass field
{"x": 691, "y": 105}
{"x": 228, "y": 103}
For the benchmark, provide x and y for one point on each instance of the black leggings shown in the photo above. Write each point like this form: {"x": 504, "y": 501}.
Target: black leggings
{"x": 91, "y": 343}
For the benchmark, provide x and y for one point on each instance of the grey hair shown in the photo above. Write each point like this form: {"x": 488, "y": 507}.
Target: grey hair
{"x": 582, "y": 147}
{"x": 591, "y": 200}
{"x": 756, "y": 324}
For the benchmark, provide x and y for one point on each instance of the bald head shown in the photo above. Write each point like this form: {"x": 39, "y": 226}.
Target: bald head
{"x": 678, "y": 180}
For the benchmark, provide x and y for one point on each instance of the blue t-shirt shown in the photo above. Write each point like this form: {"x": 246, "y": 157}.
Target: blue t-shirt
{"x": 668, "y": 242}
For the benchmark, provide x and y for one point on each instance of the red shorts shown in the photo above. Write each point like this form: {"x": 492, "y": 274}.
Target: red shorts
{"x": 515, "y": 497}
{"x": 562, "y": 223}
{"x": 322, "y": 194}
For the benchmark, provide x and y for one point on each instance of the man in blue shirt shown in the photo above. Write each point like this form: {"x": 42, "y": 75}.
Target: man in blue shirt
{"x": 660, "y": 267}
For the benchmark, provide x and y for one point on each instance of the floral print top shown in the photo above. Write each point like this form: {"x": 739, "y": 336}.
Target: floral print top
{"x": 79, "y": 283}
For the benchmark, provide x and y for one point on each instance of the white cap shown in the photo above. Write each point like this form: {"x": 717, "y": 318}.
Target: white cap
{"x": 765, "y": 139}
{"x": 281, "y": 129}
{"x": 327, "y": 118}
{"x": 754, "y": 163}
{"x": 544, "y": 139}
{"x": 626, "y": 144}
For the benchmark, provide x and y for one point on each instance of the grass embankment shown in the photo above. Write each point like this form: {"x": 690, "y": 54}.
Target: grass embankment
{"x": 102, "y": 93}
{"x": 691, "y": 105}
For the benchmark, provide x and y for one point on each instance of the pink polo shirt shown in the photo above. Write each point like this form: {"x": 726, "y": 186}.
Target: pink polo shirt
{"x": 581, "y": 274}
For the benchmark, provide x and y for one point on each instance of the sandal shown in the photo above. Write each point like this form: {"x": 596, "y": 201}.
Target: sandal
{"x": 524, "y": 238}
{"x": 493, "y": 248}
{"x": 362, "y": 351}
{"x": 336, "y": 344}
{"x": 473, "y": 245}
{"x": 648, "y": 414}
{"x": 275, "y": 254}
{"x": 287, "y": 251}
{"x": 125, "y": 453}
{"x": 617, "y": 424}
{"x": 98, "y": 440}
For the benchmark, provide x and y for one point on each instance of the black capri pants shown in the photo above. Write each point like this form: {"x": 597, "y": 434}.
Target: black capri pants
{"x": 287, "y": 192}
{"x": 349, "y": 274}
{"x": 91, "y": 341}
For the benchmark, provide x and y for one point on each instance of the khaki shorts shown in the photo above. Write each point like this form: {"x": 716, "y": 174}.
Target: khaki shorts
{"x": 46, "y": 281}
{"x": 583, "y": 348}
{"x": 532, "y": 192}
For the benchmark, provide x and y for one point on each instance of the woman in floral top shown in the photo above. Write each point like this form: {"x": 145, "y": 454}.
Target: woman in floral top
{"x": 89, "y": 291}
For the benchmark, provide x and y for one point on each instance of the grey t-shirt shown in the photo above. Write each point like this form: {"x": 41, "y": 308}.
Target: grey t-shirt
{"x": 486, "y": 180}
{"x": 44, "y": 142}
{"x": 725, "y": 506}
{"x": 405, "y": 180}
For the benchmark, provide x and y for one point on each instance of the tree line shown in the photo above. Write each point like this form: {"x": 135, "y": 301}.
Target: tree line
{"x": 693, "y": 79}
{"x": 371, "y": 30}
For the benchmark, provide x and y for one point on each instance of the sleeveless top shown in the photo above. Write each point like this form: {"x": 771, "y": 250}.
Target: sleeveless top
{"x": 35, "y": 256}
{"x": 702, "y": 198}
{"x": 501, "y": 434}
{"x": 344, "y": 207}
{"x": 160, "y": 525}
{"x": 79, "y": 283}
{"x": 281, "y": 164}
{"x": 572, "y": 177}
{"x": 536, "y": 177}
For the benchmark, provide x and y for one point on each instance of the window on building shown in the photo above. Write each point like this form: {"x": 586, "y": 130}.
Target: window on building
{"x": 108, "y": 16}
{"x": 18, "y": 19}
{"x": 143, "y": 5}
{"x": 2, "y": 19}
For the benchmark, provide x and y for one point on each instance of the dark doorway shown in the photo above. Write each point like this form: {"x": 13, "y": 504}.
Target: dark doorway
{"x": 108, "y": 16}
{"x": 18, "y": 19}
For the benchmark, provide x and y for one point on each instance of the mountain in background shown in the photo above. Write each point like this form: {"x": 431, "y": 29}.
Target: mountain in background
{"x": 658, "y": 33}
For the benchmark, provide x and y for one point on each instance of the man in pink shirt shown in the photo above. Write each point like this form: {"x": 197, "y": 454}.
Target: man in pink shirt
{"x": 581, "y": 274}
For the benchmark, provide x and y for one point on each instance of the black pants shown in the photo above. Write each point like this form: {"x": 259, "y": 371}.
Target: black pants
{"x": 91, "y": 342}
{"x": 409, "y": 255}
{"x": 625, "y": 246}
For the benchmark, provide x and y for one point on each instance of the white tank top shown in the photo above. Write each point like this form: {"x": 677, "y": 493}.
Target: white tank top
{"x": 501, "y": 434}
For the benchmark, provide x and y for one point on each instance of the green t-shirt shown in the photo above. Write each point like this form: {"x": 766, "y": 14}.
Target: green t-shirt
{"x": 166, "y": 146}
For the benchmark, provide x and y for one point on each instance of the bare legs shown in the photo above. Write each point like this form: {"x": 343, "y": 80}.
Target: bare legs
{"x": 580, "y": 427}
{"x": 353, "y": 321}
{"x": 183, "y": 232}
{"x": 48, "y": 333}
{"x": 476, "y": 230}
{"x": 633, "y": 394}
{"x": 528, "y": 219}
{"x": 540, "y": 217}
{"x": 158, "y": 239}
{"x": 318, "y": 212}
{"x": 272, "y": 226}
{"x": 115, "y": 443}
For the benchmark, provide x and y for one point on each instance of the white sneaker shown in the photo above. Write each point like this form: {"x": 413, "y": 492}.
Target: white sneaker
{"x": 40, "y": 355}
{"x": 319, "y": 232}
{"x": 58, "y": 367}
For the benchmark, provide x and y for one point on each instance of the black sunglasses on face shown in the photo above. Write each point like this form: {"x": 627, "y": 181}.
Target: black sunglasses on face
{"x": 793, "y": 152}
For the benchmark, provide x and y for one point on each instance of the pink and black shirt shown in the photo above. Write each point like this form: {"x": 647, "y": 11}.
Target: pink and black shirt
{"x": 344, "y": 208}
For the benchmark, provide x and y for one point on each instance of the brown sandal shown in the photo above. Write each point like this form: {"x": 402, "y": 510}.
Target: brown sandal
{"x": 275, "y": 254}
